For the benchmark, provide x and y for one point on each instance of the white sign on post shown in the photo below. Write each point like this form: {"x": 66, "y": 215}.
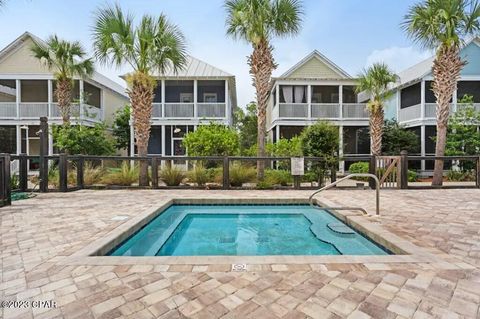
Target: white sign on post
{"x": 298, "y": 166}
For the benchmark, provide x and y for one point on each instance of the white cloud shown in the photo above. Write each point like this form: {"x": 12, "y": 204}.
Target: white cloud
{"x": 398, "y": 58}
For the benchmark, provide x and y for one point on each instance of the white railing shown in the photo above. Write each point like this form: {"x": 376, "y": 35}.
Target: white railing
{"x": 325, "y": 110}
{"x": 157, "y": 110}
{"x": 410, "y": 113}
{"x": 92, "y": 113}
{"x": 431, "y": 110}
{"x": 179, "y": 110}
{"x": 8, "y": 110}
{"x": 476, "y": 106}
{"x": 211, "y": 110}
{"x": 293, "y": 110}
{"x": 33, "y": 110}
{"x": 355, "y": 111}
{"x": 56, "y": 114}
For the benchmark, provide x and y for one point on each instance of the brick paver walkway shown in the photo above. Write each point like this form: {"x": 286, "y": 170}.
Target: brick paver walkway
{"x": 37, "y": 234}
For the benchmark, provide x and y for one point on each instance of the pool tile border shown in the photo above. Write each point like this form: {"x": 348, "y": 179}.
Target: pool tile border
{"x": 406, "y": 252}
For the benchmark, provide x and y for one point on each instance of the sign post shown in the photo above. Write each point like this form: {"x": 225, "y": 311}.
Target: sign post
{"x": 297, "y": 165}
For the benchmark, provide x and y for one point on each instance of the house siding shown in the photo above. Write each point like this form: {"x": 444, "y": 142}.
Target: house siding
{"x": 314, "y": 68}
{"x": 21, "y": 61}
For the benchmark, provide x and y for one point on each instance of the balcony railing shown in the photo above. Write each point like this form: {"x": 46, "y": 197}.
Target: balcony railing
{"x": 211, "y": 110}
{"x": 187, "y": 110}
{"x": 351, "y": 111}
{"x": 355, "y": 111}
{"x": 8, "y": 110}
{"x": 410, "y": 113}
{"x": 325, "y": 110}
{"x": 293, "y": 110}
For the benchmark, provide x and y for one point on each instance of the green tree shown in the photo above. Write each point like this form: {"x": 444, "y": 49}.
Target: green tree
{"x": 463, "y": 136}
{"x": 443, "y": 25}
{"x": 396, "y": 139}
{"x": 155, "y": 45}
{"x": 121, "y": 128}
{"x": 374, "y": 81}
{"x": 286, "y": 147}
{"x": 212, "y": 140}
{"x": 321, "y": 140}
{"x": 81, "y": 139}
{"x": 257, "y": 22}
{"x": 246, "y": 125}
{"x": 66, "y": 60}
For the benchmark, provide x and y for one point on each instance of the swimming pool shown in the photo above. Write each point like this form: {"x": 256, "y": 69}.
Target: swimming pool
{"x": 246, "y": 230}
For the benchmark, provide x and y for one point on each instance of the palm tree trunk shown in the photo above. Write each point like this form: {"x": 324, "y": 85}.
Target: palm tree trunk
{"x": 141, "y": 96}
{"x": 376, "y": 128}
{"x": 63, "y": 92}
{"x": 261, "y": 64}
{"x": 446, "y": 72}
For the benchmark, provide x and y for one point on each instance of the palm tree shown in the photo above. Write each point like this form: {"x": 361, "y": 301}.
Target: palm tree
{"x": 374, "y": 81}
{"x": 66, "y": 60}
{"x": 154, "y": 45}
{"x": 443, "y": 25}
{"x": 258, "y": 22}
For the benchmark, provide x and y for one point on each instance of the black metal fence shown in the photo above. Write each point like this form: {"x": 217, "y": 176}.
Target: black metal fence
{"x": 65, "y": 173}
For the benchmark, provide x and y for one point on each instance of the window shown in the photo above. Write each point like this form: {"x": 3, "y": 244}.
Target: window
{"x": 186, "y": 97}
{"x": 210, "y": 97}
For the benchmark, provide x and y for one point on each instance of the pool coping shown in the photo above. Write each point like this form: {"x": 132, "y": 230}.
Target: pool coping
{"x": 405, "y": 251}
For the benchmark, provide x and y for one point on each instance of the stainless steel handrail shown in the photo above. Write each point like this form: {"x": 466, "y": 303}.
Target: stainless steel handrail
{"x": 377, "y": 191}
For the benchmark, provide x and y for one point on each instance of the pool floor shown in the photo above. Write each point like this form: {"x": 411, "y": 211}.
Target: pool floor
{"x": 246, "y": 230}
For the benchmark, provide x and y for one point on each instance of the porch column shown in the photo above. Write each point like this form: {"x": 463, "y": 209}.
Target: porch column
{"x": 50, "y": 98}
{"x": 228, "y": 107}
{"x": 102, "y": 105}
{"x": 18, "y": 139}
{"x": 18, "y": 94}
{"x": 422, "y": 146}
{"x": 163, "y": 98}
{"x": 50, "y": 140}
{"x": 340, "y": 101}
{"x": 277, "y": 132}
{"x": 163, "y": 140}
{"x": 455, "y": 101}
{"x": 422, "y": 100}
{"x": 309, "y": 101}
{"x": 195, "y": 100}
{"x": 341, "y": 164}
{"x": 81, "y": 99}
{"x": 132, "y": 139}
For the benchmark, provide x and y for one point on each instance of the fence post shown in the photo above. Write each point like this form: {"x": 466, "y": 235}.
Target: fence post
{"x": 7, "y": 191}
{"x": 226, "y": 173}
{"x": 372, "y": 169}
{"x": 80, "y": 172}
{"x": 43, "y": 169}
{"x": 154, "y": 172}
{"x": 404, "y": 169}
{"x": 62, "y": 172}
{"x": 23, "y": 172}
{"x": 478, "y": 173}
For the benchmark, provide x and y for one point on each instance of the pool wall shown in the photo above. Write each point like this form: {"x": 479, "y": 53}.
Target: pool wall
{"x": 405, "y": 251}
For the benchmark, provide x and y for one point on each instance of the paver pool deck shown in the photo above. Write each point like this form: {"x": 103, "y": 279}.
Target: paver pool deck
{"x": 38, "y": 236}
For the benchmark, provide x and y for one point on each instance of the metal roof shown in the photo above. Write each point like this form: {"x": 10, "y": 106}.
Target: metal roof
{"x": 96, "y": 77}
{"x": 195, "y": 68}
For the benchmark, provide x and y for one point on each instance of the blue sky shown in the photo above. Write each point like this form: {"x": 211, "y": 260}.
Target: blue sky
{"x": 352, "y": 33}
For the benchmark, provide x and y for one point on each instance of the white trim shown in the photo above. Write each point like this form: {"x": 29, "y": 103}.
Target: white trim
{"x": 341, "y": 164}
{"x": 316, "y": 54}
{"x": 163, "y": 98}
{"x": 18, "y": 138}
{"x": 195, "y": 98}
{"x": 422, "y": 146}
{"x": 163, "y": 140}
{"x": 422, "y": 99}
{"x": 309, "y": 101}
{"x": 18, "y": 96}
{"x": 340, "y": 100}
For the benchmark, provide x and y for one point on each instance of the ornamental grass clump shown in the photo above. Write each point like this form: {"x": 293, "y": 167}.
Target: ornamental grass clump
{"x": 126, "y": 175}
{"x": 240, "y": 174}
{"x": 172, "y": 175}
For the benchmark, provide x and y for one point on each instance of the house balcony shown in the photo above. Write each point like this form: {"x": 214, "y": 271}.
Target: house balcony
{"x": 34, "y": 110}
{"x": 320, "y": 111}
{"x": 189, "y": 110}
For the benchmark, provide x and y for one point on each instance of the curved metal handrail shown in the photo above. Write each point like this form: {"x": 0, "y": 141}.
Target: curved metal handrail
{"x": 377, "y": 191}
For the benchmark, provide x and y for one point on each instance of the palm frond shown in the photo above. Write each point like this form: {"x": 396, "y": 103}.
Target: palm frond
{"x": 375, "y": 81}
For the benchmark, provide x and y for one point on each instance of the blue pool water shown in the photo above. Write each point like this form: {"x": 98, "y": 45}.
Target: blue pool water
{"x": 246, "y": 230}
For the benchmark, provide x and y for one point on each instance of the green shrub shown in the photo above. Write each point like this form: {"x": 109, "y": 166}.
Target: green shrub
{"x": 240, "y": 174}
{"x": 212, "y": 140}
{"x": 14, "y": 182}
{"x": 278, "y": 177}
{"x": 412, "y": 176}
{"x": 81, "y": 139}
{"x": 126, "y": 175}
{"x": 264, "y": 185}
{"x": 359, "y": 168}
{"x": 172, "y": 175}
{"x": 199, "y": 175}
{"x": 460, "y": 176}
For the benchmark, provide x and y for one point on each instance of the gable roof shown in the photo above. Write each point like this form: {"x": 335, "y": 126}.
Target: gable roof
{"x": 96, "y": 77}
{"x": 422, "y": 69}
{"x": 316, "y": 55}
